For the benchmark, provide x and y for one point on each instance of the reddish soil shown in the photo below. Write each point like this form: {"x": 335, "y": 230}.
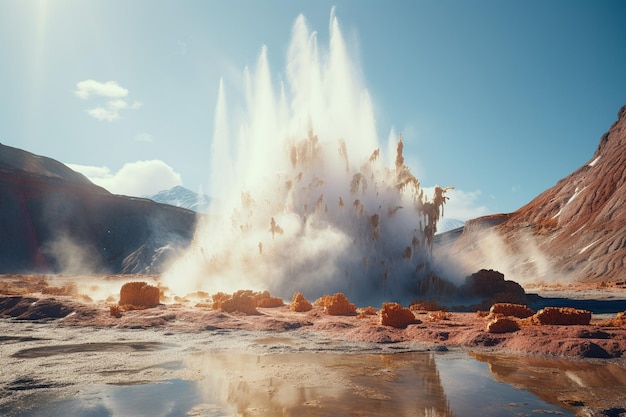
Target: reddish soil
{"x": 433, "y": 330}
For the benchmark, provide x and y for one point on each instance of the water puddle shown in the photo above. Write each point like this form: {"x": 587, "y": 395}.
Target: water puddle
{"x": 329, "y": 384}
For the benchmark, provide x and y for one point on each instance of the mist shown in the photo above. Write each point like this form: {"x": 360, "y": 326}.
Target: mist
{"x": 307, "y": 198}
{"x": 520, "y": 258}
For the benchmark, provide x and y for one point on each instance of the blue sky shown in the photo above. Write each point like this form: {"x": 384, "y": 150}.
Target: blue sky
{"x": 499, "y": 98}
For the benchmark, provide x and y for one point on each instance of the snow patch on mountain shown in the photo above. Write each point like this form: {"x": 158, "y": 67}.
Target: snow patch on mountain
{"x": 182, "y": 197}
{"x": 445, "y": 225}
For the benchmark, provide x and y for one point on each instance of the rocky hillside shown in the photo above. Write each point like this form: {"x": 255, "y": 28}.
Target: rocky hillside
{"x": 53, "y": 219}
{"x": 574, "y": 231}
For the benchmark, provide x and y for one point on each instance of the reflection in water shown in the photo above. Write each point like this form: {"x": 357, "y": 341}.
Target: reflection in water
{"x": 324, "y": 384}
{"x": 472, "y": 391}
{"x": 560, "y": 381}
{"x": 171, "y": 398}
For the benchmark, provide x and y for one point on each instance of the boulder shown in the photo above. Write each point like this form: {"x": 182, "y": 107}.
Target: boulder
{"x": 492, "y": 288}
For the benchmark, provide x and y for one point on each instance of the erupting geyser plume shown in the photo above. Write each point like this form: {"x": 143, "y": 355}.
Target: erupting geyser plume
{"x": 303, "y": 198}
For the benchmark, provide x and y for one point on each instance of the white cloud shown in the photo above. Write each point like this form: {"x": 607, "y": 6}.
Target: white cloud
{"x": 109, "y": 109}
{"x": 104, "y": 113}
{"x": 88, "y": 88}
{"x": 461, "y": 205}
{"x": 140, "y": 178}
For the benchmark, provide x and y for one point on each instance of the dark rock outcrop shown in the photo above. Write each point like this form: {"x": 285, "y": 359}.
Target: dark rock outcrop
{"x": 53, "y": 219}
{"x": 28, "y": 308}
{"x": 492, "y": 288}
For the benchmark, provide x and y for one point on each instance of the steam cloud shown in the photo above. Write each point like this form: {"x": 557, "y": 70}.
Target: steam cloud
{"x": 520, "y": 259}
{"x": 304, "y": 201}
{"x": 71, "y": 257}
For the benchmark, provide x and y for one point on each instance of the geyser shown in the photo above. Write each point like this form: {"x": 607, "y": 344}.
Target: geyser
{"x": 304, "y": 200}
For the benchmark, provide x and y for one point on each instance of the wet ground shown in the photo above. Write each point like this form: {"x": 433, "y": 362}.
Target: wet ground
{"x": 50, "y": 370}
{"x": 63, "y": 354}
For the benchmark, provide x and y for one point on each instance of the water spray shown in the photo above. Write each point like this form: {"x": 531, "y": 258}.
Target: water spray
{"x": 304, "y": 201}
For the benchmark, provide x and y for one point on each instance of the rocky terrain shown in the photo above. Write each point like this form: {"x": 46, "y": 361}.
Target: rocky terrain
{"x": 28, "y": 298}
{"x": 55, "y": 220}
{"x": 55, "y": 328}
{"x": 572, "y": 232}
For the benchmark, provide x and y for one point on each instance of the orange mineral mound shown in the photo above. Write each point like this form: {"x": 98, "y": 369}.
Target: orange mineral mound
{"x": 618, "y": 321}
{"x": 243, "y": 301}
{"x": 218, "y": 299}
{"x": 323, "y": 301}
{"x": 139, "y": 294}
{"x": 365, "y": 312}
{"x": 115, "y": 311}
{"x": 502, "y": 325}
{"x": 508, "y": 309}
{"x": 394, "y": 315}
{"x": 563, "y": 316}
{"x": 265, "y": 300}
{"x": 299, "y": 303}
{"x": 425, "y": 305}
{"x": 336, "y": 305}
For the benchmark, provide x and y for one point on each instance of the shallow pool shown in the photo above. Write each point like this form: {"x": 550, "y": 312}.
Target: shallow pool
{"x": 325, "y": 384}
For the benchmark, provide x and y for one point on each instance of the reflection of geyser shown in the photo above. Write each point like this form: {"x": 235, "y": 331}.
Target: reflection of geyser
{"x": 300, "y": 384}
{"x": 304, "y": 199}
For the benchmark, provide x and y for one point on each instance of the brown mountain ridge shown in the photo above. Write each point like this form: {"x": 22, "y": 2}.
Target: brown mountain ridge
{"x": 53, "y": 219}
{"x": 574, "y": 231}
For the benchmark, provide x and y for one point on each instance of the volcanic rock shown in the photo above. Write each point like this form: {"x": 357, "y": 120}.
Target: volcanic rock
{"x": 55, "y": 220}
{"x": 491, "y": 286}
{"x": 27, "y": 308}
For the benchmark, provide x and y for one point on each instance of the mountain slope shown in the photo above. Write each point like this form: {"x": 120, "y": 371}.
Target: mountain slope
{"x": 25, "y": 163}
{"x": 53, "y": 219}
{"x": 574, "y": 231}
